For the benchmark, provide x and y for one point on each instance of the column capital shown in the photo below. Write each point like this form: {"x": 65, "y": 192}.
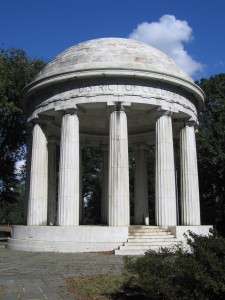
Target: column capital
{"x": 63, "y": 110}
{"x": 165, "y": 111}
{"x": 42, "y": 122}
{"x": 187, "y": 122}
{"x": 38, "y": 118}
{"x": 35, "y": 121}
{"x": 69, "y": 109}
{"x": 191, "y": 122}
{"x": 118, "y": 106}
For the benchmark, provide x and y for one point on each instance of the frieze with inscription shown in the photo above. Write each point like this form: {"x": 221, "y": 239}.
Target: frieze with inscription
{"x": 93, "y": 88}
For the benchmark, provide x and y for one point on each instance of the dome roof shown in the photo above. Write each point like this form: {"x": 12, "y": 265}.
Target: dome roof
{"x": 111, "y": 54}
{"x": 112, "y": 58}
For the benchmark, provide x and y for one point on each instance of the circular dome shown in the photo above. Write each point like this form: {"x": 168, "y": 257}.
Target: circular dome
{"x": 115, "y": 59}
{"x": 112, "y": 54}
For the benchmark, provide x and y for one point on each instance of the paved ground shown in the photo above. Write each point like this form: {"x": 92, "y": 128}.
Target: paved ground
{"x": 26, "y": 275}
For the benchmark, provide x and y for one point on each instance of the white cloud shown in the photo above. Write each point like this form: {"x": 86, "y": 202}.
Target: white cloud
{"x": 169, "y": 35}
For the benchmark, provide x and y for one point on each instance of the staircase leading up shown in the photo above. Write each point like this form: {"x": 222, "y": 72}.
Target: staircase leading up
{"x": 143, "y": 238}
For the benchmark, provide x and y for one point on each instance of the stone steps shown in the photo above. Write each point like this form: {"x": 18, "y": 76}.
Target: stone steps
{"x": 148, "y": 245}
{"x": 143, "y": 238}
{"x": 154, "y": 235}
{"x": 151, "y": 240}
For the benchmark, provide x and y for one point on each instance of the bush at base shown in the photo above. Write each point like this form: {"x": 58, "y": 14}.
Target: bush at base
{"x": 180, "y": 274}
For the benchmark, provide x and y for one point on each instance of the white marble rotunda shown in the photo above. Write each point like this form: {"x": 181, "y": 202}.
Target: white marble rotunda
{"x": 112, "y": 94}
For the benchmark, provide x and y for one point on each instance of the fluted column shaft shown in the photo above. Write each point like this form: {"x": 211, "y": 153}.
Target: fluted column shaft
{"x": 28, "y": 170}
{"x": 104, "y": 195}
{"x": 68, "y": 198}
{"x": 190, "y": 207}
{"x": 165, "y": 192}
{"x": 37, "y": 206}
{"x": 141, "y": 214}
{"x": 81, "y": 188}
{"x": 52, "y": 181}
{"x": 119, "y": 210}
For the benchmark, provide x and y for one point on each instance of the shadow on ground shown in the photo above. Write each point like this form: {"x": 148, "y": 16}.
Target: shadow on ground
{"x": 5, "y": 232}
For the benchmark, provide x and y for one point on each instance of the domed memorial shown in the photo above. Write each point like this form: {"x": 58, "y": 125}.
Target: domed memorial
{"x": 109, "y": 93}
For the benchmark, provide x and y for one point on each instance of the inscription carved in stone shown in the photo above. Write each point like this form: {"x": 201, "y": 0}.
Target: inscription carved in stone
{"x": 132, "y": 91}
{"x": 125, "y": 89}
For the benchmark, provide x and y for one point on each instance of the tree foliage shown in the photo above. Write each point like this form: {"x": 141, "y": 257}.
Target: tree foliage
{"x": 211, "y": 152}
{"x": 91, "y": 185}
{"x": 197, "y": 273}
{"x": 16, "y": 70}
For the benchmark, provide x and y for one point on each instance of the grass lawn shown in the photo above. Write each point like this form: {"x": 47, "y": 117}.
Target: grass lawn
{"x": 97, "y": 287}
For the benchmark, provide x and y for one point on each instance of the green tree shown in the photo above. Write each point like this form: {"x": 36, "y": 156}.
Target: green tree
{"x": 179, "y": 273}
{"x": 16, "y": 70}
{"x": 211, "y": 152}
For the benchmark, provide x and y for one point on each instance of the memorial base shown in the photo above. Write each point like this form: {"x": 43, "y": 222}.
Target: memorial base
{"x": 94, "y": 238}
{"x": 180, "y": 231}
{"x": 66, "y": 238}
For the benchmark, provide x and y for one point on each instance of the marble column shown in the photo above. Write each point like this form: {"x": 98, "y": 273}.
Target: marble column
{"x": 28, "y": 170}
{"x": 37, "y": 206}
{"x": 104, "y": 195}
{"x": 68, "y": 196}
{"x": 52, "y": 180}
{"x": 190, "y": 207}
{"x": 165, "y": 191}
{"x": 81, "y": 188}
{"x": 141, "y": 213}
{"x": 119, "y": 208}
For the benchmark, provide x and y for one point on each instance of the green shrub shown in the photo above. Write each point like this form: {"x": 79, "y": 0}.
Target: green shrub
{"x": 197, "y": 273}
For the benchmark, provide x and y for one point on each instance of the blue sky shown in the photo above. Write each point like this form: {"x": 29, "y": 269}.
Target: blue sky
{"x": 192, "y": 32}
